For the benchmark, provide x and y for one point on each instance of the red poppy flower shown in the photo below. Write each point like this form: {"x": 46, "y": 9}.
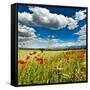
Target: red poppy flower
{"x": 34, "y": 52}
{"x": 41, "y": 62}
{"x": 67, "y": 59}
{"x": 41, "y": 59}
{"x": 81, "y": 57}
{"x": 30, "y": 54}
{"x": 67, "y": 53}
{"x": 21, "y": 61}
{"x": 27, "y": 57}
{"x": 37, "y": 59}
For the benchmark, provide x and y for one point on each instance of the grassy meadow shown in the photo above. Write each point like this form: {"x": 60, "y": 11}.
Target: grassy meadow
{"x": 46, "y": 67}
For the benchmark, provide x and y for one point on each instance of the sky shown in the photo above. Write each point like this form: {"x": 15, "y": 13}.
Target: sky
{"x": 51, "y": 27}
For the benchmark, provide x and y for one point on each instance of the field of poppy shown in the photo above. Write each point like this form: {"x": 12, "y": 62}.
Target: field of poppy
{"x": 45, "y": 67}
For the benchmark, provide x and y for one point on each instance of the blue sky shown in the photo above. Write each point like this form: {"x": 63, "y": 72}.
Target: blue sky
{"x": 61, "y": 26}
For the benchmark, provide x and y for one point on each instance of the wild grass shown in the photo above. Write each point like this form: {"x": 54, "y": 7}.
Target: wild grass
{"x": 45, "y": 67}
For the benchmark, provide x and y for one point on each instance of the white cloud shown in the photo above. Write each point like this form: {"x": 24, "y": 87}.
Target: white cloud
{"x": 82, "y": 36}
{"x": 80, "y": 15}
{"x": 54, "y": 43}
{"x": 41, "y": 43}
{"x": 82, "y": 31}
{"x": 48, "y": 41}
{"x": 25, "y": 18}
{"x": 56, "y": 40}
{"x": 72, "y": 24}
{"x": 43, "y": 17}
{"x": 25, "y": 33}
{"x": 63, "y": 44}
{"x": 81, "y": 43}
{"x": 24, "y": 39}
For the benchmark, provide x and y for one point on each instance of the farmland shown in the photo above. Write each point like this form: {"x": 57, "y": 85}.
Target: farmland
{"x": 45, "y": 67}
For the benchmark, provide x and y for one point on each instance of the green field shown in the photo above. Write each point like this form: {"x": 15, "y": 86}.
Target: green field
{"x": 45, "y": 67}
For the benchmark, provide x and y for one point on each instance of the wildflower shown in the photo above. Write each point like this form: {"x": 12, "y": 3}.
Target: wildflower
{"x": 80, "y": 57}
{"x": 21, "y": 61}
{"x": 27, "y": 57}
{"x": 67, "y": 53}
{"x": 37, "y": 59}
{"x": 31, "y": 53}
{"x": 41, "y": 59}
{"x": 73, "y": 51}
{"x": 34, "y": 52}
{"x": 42, "y": 62}
{"x": 67, "y": 59}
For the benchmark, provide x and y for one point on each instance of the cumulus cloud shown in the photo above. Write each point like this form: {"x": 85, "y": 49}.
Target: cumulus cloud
{"x": 72, "y": 24}
{"x": 80, "y": 15}
{"x": 25, "y": 18}
{"x": 81, "y": 43}
{"x": 43, "y": 17}
{"x": 82, "y": 31}
{"x": 82, "y": 36}
{"x": 25, "y": 33}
